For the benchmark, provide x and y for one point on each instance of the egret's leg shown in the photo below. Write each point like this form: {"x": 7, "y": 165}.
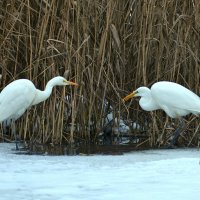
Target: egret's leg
{"x": 14, "y": 133}
{"x": 5, "y": 127}
{"x": 177, "y": 132}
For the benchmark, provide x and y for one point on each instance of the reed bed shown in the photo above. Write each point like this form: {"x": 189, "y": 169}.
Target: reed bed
{"x": 109, "y": 47}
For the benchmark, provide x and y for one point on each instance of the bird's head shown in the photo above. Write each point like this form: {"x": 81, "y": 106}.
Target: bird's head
{"x": 59, "y": 80}
{"x": 140, "y": 92}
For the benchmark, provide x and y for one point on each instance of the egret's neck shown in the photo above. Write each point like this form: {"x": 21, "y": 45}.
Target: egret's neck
{"x": 43, "y": 95}
{"x": 148, "y": 103}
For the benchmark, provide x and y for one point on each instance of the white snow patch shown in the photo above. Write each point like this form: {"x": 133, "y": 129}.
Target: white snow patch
{"x": 141, "y": 175}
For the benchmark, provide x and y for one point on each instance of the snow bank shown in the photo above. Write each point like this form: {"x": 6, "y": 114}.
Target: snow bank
{"x": 141, "y": 175}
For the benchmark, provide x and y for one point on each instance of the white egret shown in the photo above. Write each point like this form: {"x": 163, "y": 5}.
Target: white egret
{"x": 20, "y": 94}
{"x": 176, "y": 100}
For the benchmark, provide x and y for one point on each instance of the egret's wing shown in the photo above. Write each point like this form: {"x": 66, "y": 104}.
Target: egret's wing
{"x": 174, "y": 95}
{"x": 15, "y": 99}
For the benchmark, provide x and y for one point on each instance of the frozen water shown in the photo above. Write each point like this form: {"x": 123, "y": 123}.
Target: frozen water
{"x": 140, "y": 175}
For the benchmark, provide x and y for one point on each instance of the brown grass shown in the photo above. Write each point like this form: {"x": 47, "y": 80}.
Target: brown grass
{"x": 110, "y": 47}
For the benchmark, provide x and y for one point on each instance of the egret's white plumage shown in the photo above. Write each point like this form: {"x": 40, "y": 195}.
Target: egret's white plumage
{"x": 174, "y": 99}
{"x": 20, "y": 94}
{"x": 15, "y": 98}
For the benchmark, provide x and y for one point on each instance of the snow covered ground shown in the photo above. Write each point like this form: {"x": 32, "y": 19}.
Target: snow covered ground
{"x": 146, "y": 175}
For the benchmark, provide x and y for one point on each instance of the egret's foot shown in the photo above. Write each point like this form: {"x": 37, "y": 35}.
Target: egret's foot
{"x": 19, "y": 147}
{"x": 173, "y": 143}
{"x": 170, "y": 146}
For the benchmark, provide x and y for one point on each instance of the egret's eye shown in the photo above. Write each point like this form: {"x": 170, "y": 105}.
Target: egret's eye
{"x": 136, "y": 92}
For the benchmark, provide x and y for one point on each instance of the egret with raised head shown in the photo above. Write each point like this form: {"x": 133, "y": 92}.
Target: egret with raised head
{"x": 21, "y": 94}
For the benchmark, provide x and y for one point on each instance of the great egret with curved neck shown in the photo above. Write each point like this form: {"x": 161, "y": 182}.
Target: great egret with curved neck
{"x": 20, "y": 94}
{"x": 176, "y": 100}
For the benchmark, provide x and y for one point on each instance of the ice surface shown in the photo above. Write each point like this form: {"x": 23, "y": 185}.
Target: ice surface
{"x": 141, "y": 175}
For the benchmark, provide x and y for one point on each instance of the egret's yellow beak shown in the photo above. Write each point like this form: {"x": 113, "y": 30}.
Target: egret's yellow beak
{"x": 70, "y": 83}
{"x": 131, "y": 95}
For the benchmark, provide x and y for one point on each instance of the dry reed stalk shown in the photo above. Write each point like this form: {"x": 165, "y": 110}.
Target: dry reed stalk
{"x": 110, "y": 48}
